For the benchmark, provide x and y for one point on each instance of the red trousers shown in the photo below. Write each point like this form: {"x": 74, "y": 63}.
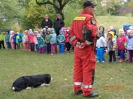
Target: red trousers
{"x": 84, "y": 66}
{"x": 26, "y": 46}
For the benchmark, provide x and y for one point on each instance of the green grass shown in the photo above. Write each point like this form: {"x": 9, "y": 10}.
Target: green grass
{"x": 16, "y": 63}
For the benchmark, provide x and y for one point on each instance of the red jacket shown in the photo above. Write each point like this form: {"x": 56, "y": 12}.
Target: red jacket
{"x": 84, "y": 18}
{"x": 121, "y": 41}
{"x": 31, "y": 38}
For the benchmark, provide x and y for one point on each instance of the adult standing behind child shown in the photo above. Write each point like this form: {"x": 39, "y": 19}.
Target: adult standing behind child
{"x": 111, "y": 47}
{"x": 58, "y": 24}
{"x": 46, "y": 22}
{"x": 121, "y": 44}
{"x": 61, "y": 42}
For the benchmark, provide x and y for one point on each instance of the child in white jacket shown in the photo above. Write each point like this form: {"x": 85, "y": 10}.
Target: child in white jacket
{"x": 100, "y": 45}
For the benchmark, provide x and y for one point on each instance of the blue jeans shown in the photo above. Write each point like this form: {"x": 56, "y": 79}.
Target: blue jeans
{"x": 122, "y": 56}
{"x": 8, "y": 45}
{"x": 48, "y": 48}
{"x": 100, "y": 54}
{"x": 37, "y": 47}
{"x": 61, "y": 48}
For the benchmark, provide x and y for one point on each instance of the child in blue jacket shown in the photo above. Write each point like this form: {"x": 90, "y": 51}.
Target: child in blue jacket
{"x": 41, "y": 43}
{"x": 61, "y": 42}
{"x": 53, "y": 41}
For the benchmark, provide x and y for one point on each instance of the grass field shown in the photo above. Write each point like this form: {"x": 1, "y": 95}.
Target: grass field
{"x": 118, "y": 78}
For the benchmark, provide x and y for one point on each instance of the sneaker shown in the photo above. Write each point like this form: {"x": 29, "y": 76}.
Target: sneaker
{"x": 78, "y": 92}
{"x": 103, "y": 61}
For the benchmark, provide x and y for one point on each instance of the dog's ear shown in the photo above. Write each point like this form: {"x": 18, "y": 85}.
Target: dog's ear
{"x": 48, "y": 79}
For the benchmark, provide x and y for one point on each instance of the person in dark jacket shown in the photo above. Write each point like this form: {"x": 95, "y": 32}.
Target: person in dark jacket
{"x": 46, "y": 22}
{"x": 58, "y": 23}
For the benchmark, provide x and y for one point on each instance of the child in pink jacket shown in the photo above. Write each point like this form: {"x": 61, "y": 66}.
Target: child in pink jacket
{"x": 11, "y": 39}
{"x": 31, "y": 40}
{"x": 121, "y": 44}
{"x": 25, "y": 40}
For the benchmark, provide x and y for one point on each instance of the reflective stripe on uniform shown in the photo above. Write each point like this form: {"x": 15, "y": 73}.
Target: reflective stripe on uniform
{"x": 87, "y": 86}
{"x": 88, "y": 43}
{"x": 77, "y": 83}
{"x": 72, "y": 38}
{"x": 79, "y": 18}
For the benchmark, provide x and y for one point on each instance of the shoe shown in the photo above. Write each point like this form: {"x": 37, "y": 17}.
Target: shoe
{"x": 78, "y": 92}
{"x": 92, "y": 95}
{"x": 114, "y": 62}
{"x": 103, "y": 61}
{"x": 109, "y": 61}
{"x": 121, "y": 60}
{"x": 97, "y": 61}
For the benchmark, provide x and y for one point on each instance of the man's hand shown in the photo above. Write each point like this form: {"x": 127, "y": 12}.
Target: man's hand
{"x": 80, "y": 45}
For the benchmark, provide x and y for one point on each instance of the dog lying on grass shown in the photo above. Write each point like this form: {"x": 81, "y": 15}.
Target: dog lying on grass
{"x": 28, "y": 82}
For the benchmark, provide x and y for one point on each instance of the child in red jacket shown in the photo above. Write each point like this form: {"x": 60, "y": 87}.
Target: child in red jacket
{"x": 121, "y": 44}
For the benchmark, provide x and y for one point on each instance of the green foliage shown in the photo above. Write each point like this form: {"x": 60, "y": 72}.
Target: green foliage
{"x": 130, "y": 5}
{"x": 113, "y": 10}
{"x": 11, "y": 12}
{"x": 34, "y": 14}
{"x": 99, "y": 9}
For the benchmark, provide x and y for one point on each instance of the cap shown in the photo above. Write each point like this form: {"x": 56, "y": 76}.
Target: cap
{"x": 88, "y": 3}
{"x": 112, "y": 33}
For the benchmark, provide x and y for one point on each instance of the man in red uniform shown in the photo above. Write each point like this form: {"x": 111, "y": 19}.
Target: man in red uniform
{"x": 83, "y": 37}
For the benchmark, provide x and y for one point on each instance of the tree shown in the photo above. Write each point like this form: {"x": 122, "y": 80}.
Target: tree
{"x": 10, "y": 13}
{"x": 57, "y": 4}
{"x": 34, "y": 14}
{"x": 130, "y": 5}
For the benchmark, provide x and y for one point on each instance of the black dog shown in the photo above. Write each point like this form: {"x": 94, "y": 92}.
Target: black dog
{"x": 26, "y": 82}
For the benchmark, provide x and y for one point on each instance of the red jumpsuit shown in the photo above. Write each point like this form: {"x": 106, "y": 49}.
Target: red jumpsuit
{"x": 84, "y": 59}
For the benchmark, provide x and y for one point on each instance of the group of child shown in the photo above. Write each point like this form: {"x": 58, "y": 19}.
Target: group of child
{"x": 41, "y": 41}
{"x": 47, "y": 41}
{"x": 115, "y": 45}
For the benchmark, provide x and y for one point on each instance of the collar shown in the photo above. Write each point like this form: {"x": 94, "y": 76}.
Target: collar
{"x": 85, "y": 11}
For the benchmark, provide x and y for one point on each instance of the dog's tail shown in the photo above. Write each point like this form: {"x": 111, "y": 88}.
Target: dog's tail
{"x": 13, "y": 88}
